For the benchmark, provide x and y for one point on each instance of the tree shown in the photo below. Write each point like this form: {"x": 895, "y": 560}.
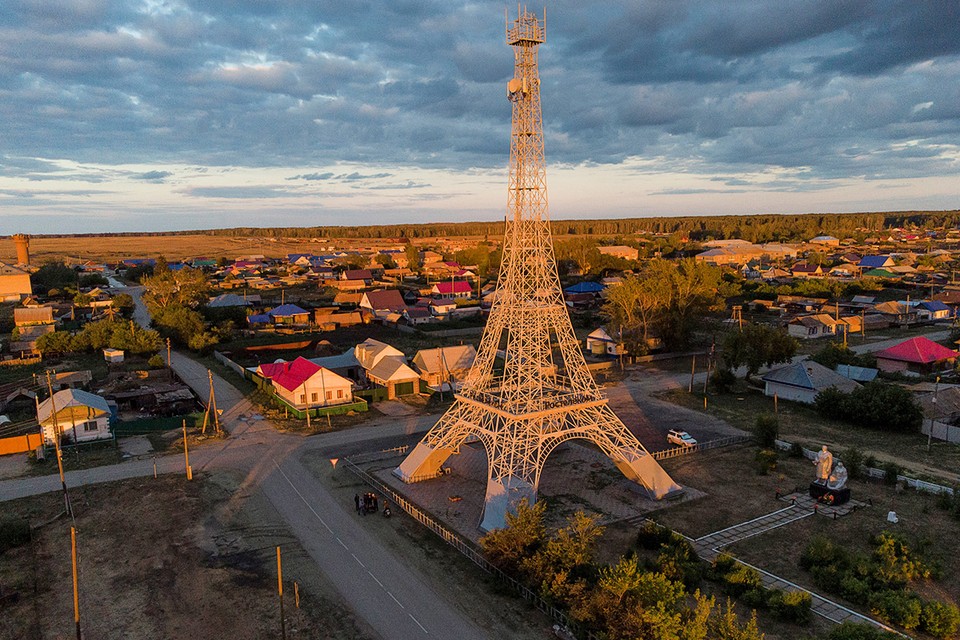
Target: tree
{"x": 757, "y": 345}
{"x": 186, "y": 287}
{"x": 523, "y": 535}
{"x": 413, "y": 256}
{"x": 179, "y": 322}
{"x": 53, "y": 275}
{"x": 385, "y": 260}
{"x": 56, "y": 343}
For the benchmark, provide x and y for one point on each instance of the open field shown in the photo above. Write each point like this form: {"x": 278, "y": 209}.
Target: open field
{"x": 172, "y": 247}
{"x": 163, "y": 559}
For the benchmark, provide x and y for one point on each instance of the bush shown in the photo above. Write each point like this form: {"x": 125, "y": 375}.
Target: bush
{"x": 890, "y": 473}
{"x": 792, "y": 606}
{"x": 678, "y": 561}
{"x": 722, "y": 379}
{"x": 742, "y": 579}
{"x": 897, "y": 606}
{"x": 156, "y": 361}
{"x": 860, "y": 631}
{"x": 853, "y": 461}
{"x": 766, "y": 460}
{"x": 940, "y": 620}
{"x": 722, "y": 565}
{"x": 876, "y": 405}
{"x": 766, "y": 430}
{"x": 652, "y": 536}
{"x": 796, "y": 450}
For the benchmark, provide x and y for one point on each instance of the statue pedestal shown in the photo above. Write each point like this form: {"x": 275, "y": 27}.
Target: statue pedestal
{"x": 822, "y": 493}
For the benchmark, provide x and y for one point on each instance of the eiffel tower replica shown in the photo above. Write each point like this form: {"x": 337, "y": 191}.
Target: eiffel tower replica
{"x": 529, "y": 389}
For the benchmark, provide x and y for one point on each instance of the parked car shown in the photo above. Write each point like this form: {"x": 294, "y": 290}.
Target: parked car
{"x": 680, "y": 438}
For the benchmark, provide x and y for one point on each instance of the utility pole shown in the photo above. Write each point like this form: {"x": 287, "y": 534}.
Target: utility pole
{"x": 76, "y": 585}
{"x": 693, "y": 372}
{"x": 283, "y": 622}
{"x": 56, "y": 444}
{"x": 186, "y": 453}
{"x": 211, "y": 408}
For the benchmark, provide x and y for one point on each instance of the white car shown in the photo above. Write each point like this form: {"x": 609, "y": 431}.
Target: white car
{"x": 680, "y": 438}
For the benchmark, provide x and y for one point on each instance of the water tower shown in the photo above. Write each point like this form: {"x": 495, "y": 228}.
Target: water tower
{"x": 23, "y": 248}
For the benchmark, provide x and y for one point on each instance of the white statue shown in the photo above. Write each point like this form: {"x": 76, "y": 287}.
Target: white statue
{"x": 824, "y": 464}
{"x": 838, "y": 479}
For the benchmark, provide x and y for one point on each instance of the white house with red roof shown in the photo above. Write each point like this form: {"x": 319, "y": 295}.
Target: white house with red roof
{"x": 305, "y": 385}
{"x": 450, "y": 290}
{"x": 916, "y": 356}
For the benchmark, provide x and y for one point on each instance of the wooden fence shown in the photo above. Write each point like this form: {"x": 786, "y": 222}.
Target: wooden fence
{"x": 20, "y": 444}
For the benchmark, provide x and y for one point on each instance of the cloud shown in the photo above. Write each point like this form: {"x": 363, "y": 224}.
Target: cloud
{"x": 153, "y": 175}
{"x": 846, "y": 89}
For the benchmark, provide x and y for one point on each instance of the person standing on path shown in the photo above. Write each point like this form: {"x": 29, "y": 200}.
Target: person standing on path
{"x": 356, "y": 501}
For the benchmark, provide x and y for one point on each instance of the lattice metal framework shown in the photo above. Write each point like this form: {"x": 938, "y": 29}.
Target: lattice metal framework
{"x": 529, "y": 389}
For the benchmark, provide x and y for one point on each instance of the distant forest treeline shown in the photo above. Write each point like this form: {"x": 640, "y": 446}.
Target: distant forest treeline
{"x": 755, "y": 228}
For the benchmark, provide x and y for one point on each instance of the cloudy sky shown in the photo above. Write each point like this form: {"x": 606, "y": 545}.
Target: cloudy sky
{"x": 123, "y": 115}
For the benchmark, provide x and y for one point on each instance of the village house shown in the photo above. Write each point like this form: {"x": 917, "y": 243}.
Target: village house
{"x": 383, "y": 301}
{"x": 447, "y": 290}
{"x": 79, "y": 416}
{"x": 875, "y": 262}
{"x": 387, "y": 367}
{"x": 916, "y": 356}
{"x": 620, "y": 251}
{"x": 303, "y": 384}
{"x": 445, "y": 367}
{"x": 818, "y": 325}
{"x": 289, "y": 314}
{"x": 600, "y": 343}
{"x": 358, "y": 275}
{"x": 14, "y": 283}
{"x": 802, "y": 381}
{"x": 332, "y": 318}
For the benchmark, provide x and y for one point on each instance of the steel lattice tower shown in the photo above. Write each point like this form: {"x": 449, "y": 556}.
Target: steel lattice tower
{"x": 529, "y": 389}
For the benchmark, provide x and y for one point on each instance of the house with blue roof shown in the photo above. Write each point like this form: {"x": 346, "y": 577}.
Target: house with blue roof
{"x": 875, "y": 262}
{"x": 937, "y": 309}
{"x": 584, "y": 287}
{"x": 289, "y": 314}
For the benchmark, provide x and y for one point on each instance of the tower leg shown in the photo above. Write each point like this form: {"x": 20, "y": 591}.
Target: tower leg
{"x": 422, "y": 463}
{"x": 443, "y": 440}
{"x": 502, "y": 497}
{"x": 646, "y": 472}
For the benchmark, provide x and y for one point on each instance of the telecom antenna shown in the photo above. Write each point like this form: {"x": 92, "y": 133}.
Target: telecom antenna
{"x": 529, "y": 389}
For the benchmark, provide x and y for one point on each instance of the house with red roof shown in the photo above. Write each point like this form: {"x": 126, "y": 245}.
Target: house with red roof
{"x": 916, "y": 356}
{"x": 450, "y": 290}
{"x": 303, "y": 384}
{"x": 383, "y": 301}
